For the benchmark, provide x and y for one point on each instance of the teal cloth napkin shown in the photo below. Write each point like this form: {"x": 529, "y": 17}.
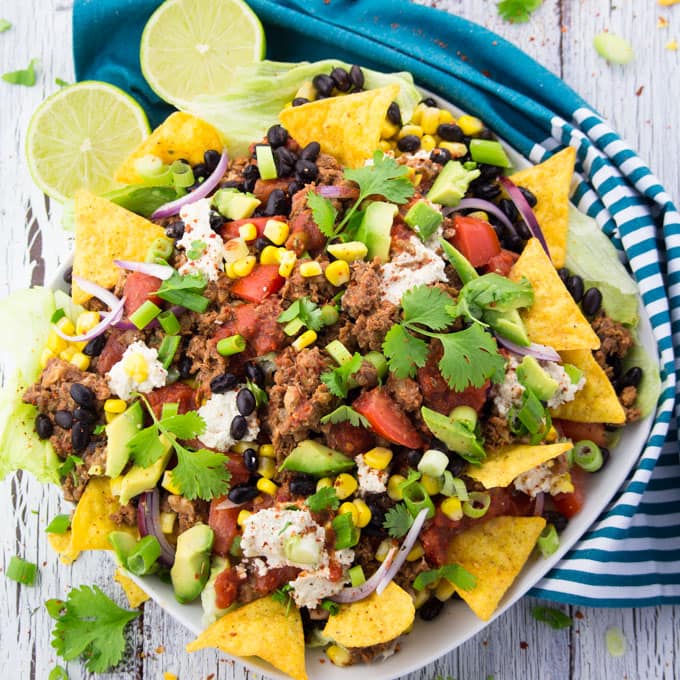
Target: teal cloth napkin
{"x": 630, "y": 556}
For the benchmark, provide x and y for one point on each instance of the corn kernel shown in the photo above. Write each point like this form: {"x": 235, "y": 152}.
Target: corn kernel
{"x": 429, "y": 121}
{"x": 456, "y": 149}
{"x": 167, "y": 675}
{"x": 479, "y": 215}
{"x": 270, "y": 255}
{"x": 167, "y": 522}
{"x": 276, "y": 231}
{"x": 422, "y": 596}
{"x": 242, "y": 517}
{"x": 235, "y": 249}
{"x": 240, "y": 447}
{"x": 410, "y": 130}
{"x": 266, "y": 451}
{"x": 470, "y": 125}
{"x": 444, "y": 590}
{"x": 452, "y": 508}
{"x": 349, "y": 252}
{"x": 393, "y": 490}
{"x": 378, "y": 457}
{"x": 136, "y": 367}
{"x": 67, "y": 353}
{"x": 348, "y": 508}
{"x": 337, "y": 272}
{"x": 433, "y": 485}
{"x": 323, "y": 483}
{"x": 65, "y": 325}
{"x": 86, "y": 322}
{"x": 110, "y": 417}
{"x": 288, "y": 260}
{"x": 417, "y": 115}
{"x": 304, "y": 340}
{"x": 81, "y": 361}
{"x": 55, "y": 343}
{"x": 116, "y": 485}
{"x": 114, "y": 406}
{"x": 266, "y": 467}
{"x": 345, "y": 485}
{"x": 244, "y": 266}
{"x": 384, "y": 549}
{"x": 416, "y": 552}
{"x": 446, "y": 116}
{"x": 338, "y": 655}
{"x": 388, "y": 129}
{"x": 229, "y": 270}
{"x": 168, "y": 483}
{"x": 45, "y": 356}
{"x": 248, "y": 231}
{"x": 386, "y": 146}
{"x": 306, "y": 90}
{"x": 428, "y": 142}
{"x": 363, "y": 513}
{"x": 551, "y": 437}
{"x": 267, "y": 486}
{"x": 80, "y": 346}
{"x": 309, "y": 269}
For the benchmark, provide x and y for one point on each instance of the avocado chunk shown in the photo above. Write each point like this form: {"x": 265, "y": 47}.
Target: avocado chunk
{"x": 534, "y": 378}
{"x": 452, "y": 184}
{"x": 123, "y": 544}
{"x": 139, "y": 479}
{"x": 191, "y": 569}
{"x": 508, "y": 324}
{"x": 316, "y": 459}
{"x": 423, "y": 219}
{"x": 118, "y": 433}
{"x": 235, "y": 205}
{"x": 466, "y": 272}
{"x": 375, "y": 229}
{"x": 455, "y": 435}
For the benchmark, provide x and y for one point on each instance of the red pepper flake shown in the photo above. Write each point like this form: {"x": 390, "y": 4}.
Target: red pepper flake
{"x": 564, "y": 28}
{"x": 638, "y": 92}
{"x": 523, "y": 645}
{"x": 578, "y": 614}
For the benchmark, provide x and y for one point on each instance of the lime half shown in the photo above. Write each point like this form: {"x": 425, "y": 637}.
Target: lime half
{"x": 79, "y": 137}
{"x": 191, "y": 47}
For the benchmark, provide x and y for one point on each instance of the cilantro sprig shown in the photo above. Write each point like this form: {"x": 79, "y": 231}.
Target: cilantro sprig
{"x": 185, "y": 291}
{"x": 451, "y": 572}
{"x": 338, "y": 380}
{"x": 306, "y": 311}
{"x": 343, "y": 414}
{"x": 398, "y": 520}
{"x": 326, "y": 498}
{"x": 518, "y": 11}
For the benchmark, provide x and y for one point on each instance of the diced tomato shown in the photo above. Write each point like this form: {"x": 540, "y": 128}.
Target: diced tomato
{"x": 138, "y": 289}
{"x": 501, "y": 263}
{"x": 578, "y": 431}
{"x": 112, "y": 353}
{"x": 236, "y": 466}
{"x": 259, "y": 284}
{"x": 476, "y": 240}
{"x": 230, "y": 229}
{"x": 226, "y": 588}
{"x": 177, "y": 393}
{"x": 387, "y": 419}
{"x": 305, "y": 234}
{"x": 224, "y": 523}
{"x": 258, "y": 325}
{"x": 569, "y": 504}
{"x": 274, "y": 578}
{"x": 349, "y": 439}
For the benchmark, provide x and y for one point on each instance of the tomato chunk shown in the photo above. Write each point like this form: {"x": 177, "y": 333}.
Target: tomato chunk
{"x": 387, "y": 419}
{"x": 476, "y": 240}
{"x": 258, "y": 325}
{"x": 230, "y": 229}
{"x": 224, "y": 523}
{"x": 569, "y": 504}
{"x": 178, "y": 393}
{"x": 501, "y": 263}
{"x": 578, "y": 431}
{"x": 259, "y": 284}
{"x": 138, "y": 289}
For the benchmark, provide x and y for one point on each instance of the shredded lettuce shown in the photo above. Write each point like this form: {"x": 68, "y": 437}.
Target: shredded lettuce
{"x": 649, "y": 389}
{"x": 261, "y": 90}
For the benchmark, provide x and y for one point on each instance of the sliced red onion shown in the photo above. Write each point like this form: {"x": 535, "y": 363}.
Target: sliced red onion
{"x": 149, "y": 522}
{"x": 357, "y": 593}
{"x": 337, "y": 191}
{"x": 159, "y": 271}
{"x": 542, "y": 352}
{"x": 94, "y": 289}
{"x": 539, "y": 504}
{"x": 226, "y": 504}
{"x": 203, "y": 189}
{"x": 405, "y": 549}
{"x": 481, "y": 204}
{"x": 110, "y": 319}
{"x": 525, "y": 211}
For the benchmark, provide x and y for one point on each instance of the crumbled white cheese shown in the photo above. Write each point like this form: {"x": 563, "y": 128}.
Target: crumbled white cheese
{"x": 509, "y": 393}
{"x": 408, "y": 270}
{"x": 549, "y": 477}
{"x": 370, "y": 479}
{"x": 309, "y": 588}
{"x": 200, "y": 241}
{"x": 566, "y": 390}
{"x": 218, "y": 412}
{"x": 139, "y": 370}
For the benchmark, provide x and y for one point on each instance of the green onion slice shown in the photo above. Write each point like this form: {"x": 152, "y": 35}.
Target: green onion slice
{"x": 548, "y": 541}
{"x": 168, "y": 349}
{"x": 59, "y": 525}
{"x": 142, "y": 559}
{"x": 477, "y": 504}
{"x": 231, "y": 345}
{"x": 588, "y": 455}
{"x": 21, "y": 571}
{"x": 145, "y": 314}
{"x": 169, "y": 322}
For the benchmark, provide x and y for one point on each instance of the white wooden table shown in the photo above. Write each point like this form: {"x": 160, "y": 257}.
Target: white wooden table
{"x": 641, "y": 100}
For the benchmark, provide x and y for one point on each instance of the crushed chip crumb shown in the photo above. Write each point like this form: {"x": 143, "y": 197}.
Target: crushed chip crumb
{"x": 662, "y": 22}
{"x": 668, "y": 3}
{"x": 672, "y": 45}
{"x": 169, "y": 676}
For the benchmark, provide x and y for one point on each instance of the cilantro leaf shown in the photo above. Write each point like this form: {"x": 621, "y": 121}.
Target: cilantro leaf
{"x": 470, "y": 358}
{"x": 146, "y": 447}
{"x": 324, "y": 213}
{"x": 345, "y": 413}
{"x": 196, "y": 250}
{"x": 555, "y": 618}
{"x": 261, "y": 397}
{"x": 385, "y": 178}
{"x": 304, "y": 309}
{"x": 200, "y": 474}
{"x": 405, "y": 352}
{"x": 427, "y": 306}
{"x": 61, "y": 82}
{"x": 398, "y": 521}
{"x": 517, "y": 11}
{"x": 186, "y": 426}
{"x": 325, "y": 498}
{"x": 5, "y": 25}
{"x": 58, "y": 673}
{"x": 24, "y": 76}
{"x": 337, "y": 380}
{"x": 185, "y": 291}
{"x": 68, "y": 467}
{"x": 454, "y": 573}
{"x": 90, "y": 625}
{"x": 60, "y": 524}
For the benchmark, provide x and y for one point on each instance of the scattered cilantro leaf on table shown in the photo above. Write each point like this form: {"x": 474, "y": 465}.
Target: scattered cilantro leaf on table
{"x": 398, "y": 521}
{"x": 5, "y": 25}
{"x": 337, "y": 379}
{"x": 91, "y": 625}
{"x": 58, "y": 673}
{"x": 324, "y": 499}
{"x": 61, "y": 82}
{"x": 343, "y": 414}
{"x": 23, "y": 76}
{"x": 555, "y": 618}
{"x": 517, "y": 11}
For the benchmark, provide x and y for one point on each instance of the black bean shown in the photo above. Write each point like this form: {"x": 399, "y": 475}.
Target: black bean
{"x": 238, "y": 428}
{"x": 341, "y": 79}
{"x": 431, "y": 609}
{"x": 200, "y": 171}
{"x": 310, "y": 152}
{"x": 285, "y": 161}
{"x": 440, "y": 156}
{"x": 575, "y": 287}
{"x": 489, "y": 171}
{"x": 605, "y": 457}
{"x": 591, "y": 302}
{"x": 82, "y": 395}
{"x": 223, "y": 383}
{"x": 631, "y": 378}
{"x": 211, "y": 158}
{"x": 522, "y": 230}
{"x": 558, "y": 520}
{"x": 242, "y": 493}
{"x": 409, "y": 143}
{"x": 278, "y": 203}
{"x": 564, "y": 274}
{"x": 529, "y": 196}
{"x": 413, "y": 457}
{"x": 68, "y": 275}
{"x": 173, "y": 375}
{"x": 277, "y": 135}
{"x": 251, "y": 459}
{"x": 232, "y": 184}
{"x": 450, "y": 132}
{"x": 356, "y": 75}
{"x": 323, "y": 84}
{"x": 509, "y": 209}
{"x": 175, "y": 229}
{"x": 84, "y": 415}
{"x": 43, "y": 426}
{"x": 294, "y": 187}
{"x": 80, "y": 436}
{"x": 515, "y": 244}
{"x": 306, "y": 171}
{"x": 95, "y": 346}
{"x": 299, "y": 101}
{"x": 216, "y": 221}
{"x": 428, "y": 101}
{"x": 302, "y": 485}
{"x": 394, "y": 114}
{"x": 63, "y": 418}
{"x": 245, "y": 402}
{"x": 457, "y": 464}
{"x": 261, "y": 242}
{"x": 375, "y": 526}
{"x": 616, "y": 365}
{"x": 486, "y": 190}
{"x": 184, "y": 366}
{"x": 485, "y": 133}
{"x": 255, "y": 373}
{"x": 251, "y": 172}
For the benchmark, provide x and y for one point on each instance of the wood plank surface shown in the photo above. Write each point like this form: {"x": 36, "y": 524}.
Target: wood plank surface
{"x": 640, "y": 100}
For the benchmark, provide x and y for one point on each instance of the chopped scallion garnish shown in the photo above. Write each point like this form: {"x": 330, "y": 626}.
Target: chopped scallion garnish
{"x": 59, "y": 524}
{"x": 145, "y": 314}
{"x": 21, "y": 571}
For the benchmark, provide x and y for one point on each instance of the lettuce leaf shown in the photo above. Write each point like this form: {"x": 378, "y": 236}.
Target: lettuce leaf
{"x": 649, "y": 389}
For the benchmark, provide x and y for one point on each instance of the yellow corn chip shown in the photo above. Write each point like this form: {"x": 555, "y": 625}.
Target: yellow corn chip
{"x": 346, "y": 127}
{"x": 508, "y": 463}
{"x": 180, "y": 136}
{"x": 133, "y": 592}
{"x": 374, "y": 620}
{"x": 550, "y": 182}
{"x": 554, "y": 319}
{"x": 105, "y": 232}
{"x": 61, "y": 544}
{"x": 597, "y": 401}
{"x": 494, "y": 552}
{"x": 264, "y": 628}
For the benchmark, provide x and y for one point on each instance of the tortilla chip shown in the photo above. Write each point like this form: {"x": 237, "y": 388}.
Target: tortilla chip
{"x": 597, "y": 401}
{"x": 550, "y": 182}
{"x": 494, "y": 552}
{"x": 347, "y": 127}
{"x": 554, "y": 319}
{"x": 133, "y": 592}
{"x": 264, "y": 628}
{"x": 105, "y": 232}
{"x": 61, "y": 544}
{"x": 181, "y": 135}
{"x": 374, "y": 620}
{"x": 91, "y": 523}
{"x": 509, "y": 462}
